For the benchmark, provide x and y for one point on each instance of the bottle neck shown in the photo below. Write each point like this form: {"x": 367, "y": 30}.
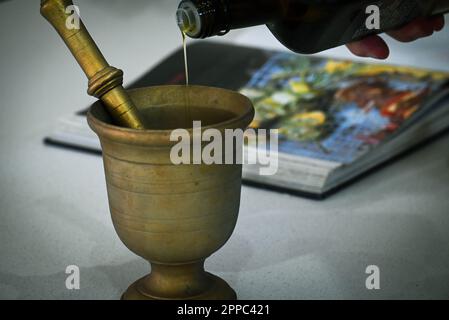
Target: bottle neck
{"x": 207, "y": 18}
{"x": 440, "y": 7}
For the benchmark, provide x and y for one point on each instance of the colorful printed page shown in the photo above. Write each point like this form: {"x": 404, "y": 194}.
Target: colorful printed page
{"x": 337, "y": 110}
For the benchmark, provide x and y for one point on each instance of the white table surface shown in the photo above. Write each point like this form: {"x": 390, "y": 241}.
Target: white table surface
{"x": 53, "y": 205}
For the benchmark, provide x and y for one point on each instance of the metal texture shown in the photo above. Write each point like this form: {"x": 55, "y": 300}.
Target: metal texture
{"x": 105, "y": 82}
{"x": 174, "y": 216}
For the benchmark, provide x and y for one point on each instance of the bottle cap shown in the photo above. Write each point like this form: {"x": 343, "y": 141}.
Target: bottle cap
{"x": 188, "y": 19}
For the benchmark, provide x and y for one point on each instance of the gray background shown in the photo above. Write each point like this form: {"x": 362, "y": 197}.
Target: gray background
{"x": 53, "y": 206}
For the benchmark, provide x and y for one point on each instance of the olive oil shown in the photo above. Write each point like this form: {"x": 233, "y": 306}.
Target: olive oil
{"x": 172, "y": 117}
{"x": 187, "y": 111}
{"x": 186, "y": 63}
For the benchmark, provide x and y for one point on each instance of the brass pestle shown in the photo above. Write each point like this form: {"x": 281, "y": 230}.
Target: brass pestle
{"x": 105, "y": 81}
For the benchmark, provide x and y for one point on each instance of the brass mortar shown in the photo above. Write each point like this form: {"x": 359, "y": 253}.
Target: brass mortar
{"x": 174, "y": 216}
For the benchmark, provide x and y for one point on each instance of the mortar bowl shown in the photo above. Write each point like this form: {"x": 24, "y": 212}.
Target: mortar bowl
{"x": 174, "y": 216}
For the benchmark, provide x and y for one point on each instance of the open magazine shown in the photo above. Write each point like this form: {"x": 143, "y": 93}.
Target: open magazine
{"x": 336, "y": 119}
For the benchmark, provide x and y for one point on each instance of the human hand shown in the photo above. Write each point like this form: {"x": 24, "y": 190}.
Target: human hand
{"x": 375, "y": 47}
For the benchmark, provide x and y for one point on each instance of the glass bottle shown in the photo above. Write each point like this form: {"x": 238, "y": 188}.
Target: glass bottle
{"x": 303, "y": 26}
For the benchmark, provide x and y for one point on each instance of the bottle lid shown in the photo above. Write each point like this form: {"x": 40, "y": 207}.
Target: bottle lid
{"x": 188, "y": 19}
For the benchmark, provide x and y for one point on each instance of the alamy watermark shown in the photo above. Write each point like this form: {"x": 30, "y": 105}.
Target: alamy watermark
{"x": 73, "y": 21}
{"x": 373, "y": 19}
{"x": 72, "y": 282}
{"x": 373, "y": 280}
{"x": 212, "y": 146}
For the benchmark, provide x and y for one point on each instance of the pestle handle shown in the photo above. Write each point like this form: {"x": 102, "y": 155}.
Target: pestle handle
{"x": 105, "y": 82}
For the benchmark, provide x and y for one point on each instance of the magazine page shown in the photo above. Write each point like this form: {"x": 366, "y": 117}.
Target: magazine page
{"x": 336, "y": 110}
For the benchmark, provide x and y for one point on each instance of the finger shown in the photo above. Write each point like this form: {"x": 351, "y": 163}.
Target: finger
{"x": 372, "y": 46}
{"x": 438, "y": 23}
{"x": 420, "y": 28}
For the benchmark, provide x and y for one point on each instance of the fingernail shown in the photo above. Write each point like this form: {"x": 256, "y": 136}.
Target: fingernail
{"x": 381, "y": 56}
{"x": 439, "y": 24}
